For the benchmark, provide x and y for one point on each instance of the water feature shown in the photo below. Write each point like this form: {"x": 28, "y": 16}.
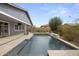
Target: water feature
{"x": 40, "y": 44}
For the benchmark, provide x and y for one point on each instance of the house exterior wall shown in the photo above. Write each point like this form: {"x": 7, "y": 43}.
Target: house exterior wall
{"x": 11, "y": 28}
{"x": 15, "y": 12}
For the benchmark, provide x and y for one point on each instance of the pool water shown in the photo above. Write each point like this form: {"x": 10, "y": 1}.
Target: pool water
{"x": 40, "y": 44}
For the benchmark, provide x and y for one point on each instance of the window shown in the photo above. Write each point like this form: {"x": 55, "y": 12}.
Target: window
{"x": 18, "y": 27}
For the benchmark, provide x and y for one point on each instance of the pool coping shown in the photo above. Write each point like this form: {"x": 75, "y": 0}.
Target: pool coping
{"x": 68, "y": 43}
{"x": 63, "y": 52}
{"x": 57, "y": 36}
{"x": 4, "y": 48}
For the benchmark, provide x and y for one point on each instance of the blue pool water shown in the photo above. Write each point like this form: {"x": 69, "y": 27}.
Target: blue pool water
{"x": 40, "y": 44}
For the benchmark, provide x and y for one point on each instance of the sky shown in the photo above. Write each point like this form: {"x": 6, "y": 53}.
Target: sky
{"x": 41, "y": 13}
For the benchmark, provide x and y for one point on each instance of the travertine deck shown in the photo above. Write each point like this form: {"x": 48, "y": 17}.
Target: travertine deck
{"x": 63, "y": 52}
{"x": 10, "y": 38}
{"x": 10, "y": 45}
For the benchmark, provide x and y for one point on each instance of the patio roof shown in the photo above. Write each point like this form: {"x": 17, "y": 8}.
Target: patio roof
{"x": 10, "y": 18}
{"x": 21, "y": 8}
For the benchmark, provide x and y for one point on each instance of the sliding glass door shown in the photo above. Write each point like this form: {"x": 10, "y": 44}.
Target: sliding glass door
{"x": 3, "y": 29}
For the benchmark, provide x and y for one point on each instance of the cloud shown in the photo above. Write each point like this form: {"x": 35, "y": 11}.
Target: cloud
{"x": 60, "y": 11}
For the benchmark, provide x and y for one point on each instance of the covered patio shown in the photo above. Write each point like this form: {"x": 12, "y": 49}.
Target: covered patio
{"x": 10, "y": 25}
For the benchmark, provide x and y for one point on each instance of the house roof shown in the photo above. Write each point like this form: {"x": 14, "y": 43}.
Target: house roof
{"x": 21, "y": 8}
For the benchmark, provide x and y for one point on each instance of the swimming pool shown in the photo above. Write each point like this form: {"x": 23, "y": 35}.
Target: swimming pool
{"x": 40, "y": 44}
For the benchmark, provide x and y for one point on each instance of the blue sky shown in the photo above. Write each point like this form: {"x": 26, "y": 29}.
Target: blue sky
{"x": 41, "y": 13}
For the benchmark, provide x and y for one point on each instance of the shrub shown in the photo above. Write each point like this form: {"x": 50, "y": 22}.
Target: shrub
{"x": 69, "y": 32}
{"x": 54, "y": 23}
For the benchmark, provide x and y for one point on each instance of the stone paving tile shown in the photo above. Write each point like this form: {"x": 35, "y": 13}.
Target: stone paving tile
{"x": 8, "y": 39}
{"x": 9, "y": 46}
{"x": 63, "y": 52}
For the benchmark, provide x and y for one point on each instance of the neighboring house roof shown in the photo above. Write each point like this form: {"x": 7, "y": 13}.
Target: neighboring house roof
{"x": 16, "y": 6}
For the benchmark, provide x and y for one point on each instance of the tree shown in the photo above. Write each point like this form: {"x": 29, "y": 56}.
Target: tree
{"x": 54, "y": 23}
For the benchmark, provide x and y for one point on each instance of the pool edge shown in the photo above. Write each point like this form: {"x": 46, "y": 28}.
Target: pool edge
{"x": 66, "y": 42}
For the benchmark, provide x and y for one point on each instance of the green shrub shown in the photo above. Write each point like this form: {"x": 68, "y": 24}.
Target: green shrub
{"x": 54, "y": 23}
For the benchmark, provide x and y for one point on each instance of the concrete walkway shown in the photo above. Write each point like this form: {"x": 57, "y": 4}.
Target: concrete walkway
{"x": 5, "y": 48}
{"x": 63, "y": 52}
